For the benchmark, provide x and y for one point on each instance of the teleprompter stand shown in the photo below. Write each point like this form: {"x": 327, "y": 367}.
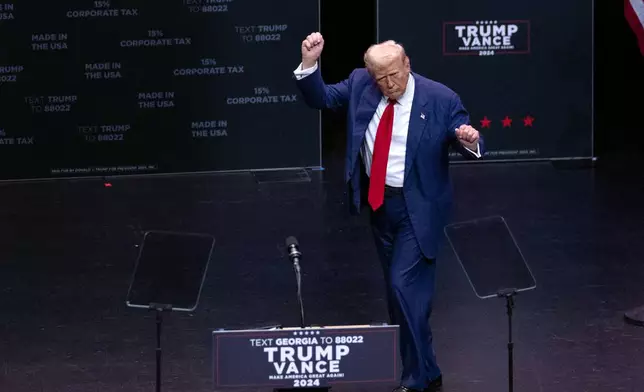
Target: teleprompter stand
{"x": 494, "y": 266}
{"x": 168, "y": 276}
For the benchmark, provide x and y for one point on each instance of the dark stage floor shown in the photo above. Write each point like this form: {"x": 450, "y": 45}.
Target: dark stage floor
{"x": 68, "y": 249}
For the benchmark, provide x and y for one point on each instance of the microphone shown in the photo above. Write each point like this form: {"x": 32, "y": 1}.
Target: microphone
{"x": 293, "y": 251}
{"x": 294, "y": 254}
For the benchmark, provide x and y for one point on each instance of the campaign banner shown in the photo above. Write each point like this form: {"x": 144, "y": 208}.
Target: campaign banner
{"x": 106, "y": 87}
{"x": 523, "y": 70}
{"x": 309, "y": 357}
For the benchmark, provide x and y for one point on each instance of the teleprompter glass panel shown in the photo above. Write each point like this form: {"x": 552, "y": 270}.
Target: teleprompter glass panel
{"x": 490, "y": 256}
{"x": 170, "y": 270}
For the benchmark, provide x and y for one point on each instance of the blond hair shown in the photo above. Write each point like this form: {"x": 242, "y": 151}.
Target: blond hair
{"x": 383, "y": 53}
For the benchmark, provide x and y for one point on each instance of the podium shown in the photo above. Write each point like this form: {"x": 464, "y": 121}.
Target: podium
{"x": 168, "y": 276}
{"x": 493, "y": 264}
{"x": 313, "y": 358}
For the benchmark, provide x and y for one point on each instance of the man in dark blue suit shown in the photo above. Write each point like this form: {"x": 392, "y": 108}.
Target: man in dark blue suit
{"x": 400, "y": 126}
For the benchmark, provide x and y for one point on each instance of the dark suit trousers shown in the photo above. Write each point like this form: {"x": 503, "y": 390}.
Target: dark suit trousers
{"x": 410, "y": 288}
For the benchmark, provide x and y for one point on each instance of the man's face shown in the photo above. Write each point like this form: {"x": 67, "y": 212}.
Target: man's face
{"x": 392, "y": 77}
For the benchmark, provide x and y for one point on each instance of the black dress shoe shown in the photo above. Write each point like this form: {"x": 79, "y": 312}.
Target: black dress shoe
{"x": 436, "y": 385}
{"x": 405, "y": 389}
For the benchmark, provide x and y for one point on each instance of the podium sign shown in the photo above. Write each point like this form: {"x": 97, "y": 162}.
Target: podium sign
{"x": 302, "y": 358}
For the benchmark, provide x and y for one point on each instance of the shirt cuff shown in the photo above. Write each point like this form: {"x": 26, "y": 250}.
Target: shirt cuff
{"x": 302, "y": 73}
{"x": 478, "y": 151}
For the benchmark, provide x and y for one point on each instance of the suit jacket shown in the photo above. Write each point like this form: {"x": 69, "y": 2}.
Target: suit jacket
{"x": 436, "y": 112}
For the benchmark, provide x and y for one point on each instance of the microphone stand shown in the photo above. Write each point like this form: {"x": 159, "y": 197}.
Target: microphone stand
{"x": 295, "y": 255}
{"x": 298, "y": 278}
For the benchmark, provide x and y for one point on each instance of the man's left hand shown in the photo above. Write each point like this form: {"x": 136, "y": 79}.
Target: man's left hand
{"x": 468, "y": 136}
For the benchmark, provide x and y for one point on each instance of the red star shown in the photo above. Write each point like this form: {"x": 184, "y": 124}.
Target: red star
{"x": 527, "y": 121}
{"x": 507, "y": 122}
{"x": 485, "y": 123}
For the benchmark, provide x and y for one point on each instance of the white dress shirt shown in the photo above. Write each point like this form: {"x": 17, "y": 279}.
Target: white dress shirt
{"x": 402, "y": 110}
{"x": 396, "y": 162}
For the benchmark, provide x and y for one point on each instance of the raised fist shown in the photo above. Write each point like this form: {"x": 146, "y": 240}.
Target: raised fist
{"x": 311, "y": 49}
{"x": 468, "y": 136}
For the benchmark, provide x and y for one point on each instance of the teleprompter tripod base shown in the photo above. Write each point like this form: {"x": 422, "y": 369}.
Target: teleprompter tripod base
{"x": 635, "y": 316}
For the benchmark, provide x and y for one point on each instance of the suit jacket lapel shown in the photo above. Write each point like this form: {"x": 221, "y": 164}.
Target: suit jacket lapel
{"x": 364, "y": 113}
{"x": 418, "y": 120}
{"x": 367, "y": 107}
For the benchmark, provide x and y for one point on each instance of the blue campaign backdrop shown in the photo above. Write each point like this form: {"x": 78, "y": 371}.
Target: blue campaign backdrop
{"x": 524, "y": 70}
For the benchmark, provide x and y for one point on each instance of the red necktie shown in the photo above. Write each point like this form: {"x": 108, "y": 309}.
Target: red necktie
{"x": 380, "y": 157}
